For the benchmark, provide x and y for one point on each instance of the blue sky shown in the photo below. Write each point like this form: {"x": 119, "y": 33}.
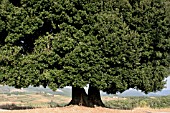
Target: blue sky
{"x": 168, "y": 83}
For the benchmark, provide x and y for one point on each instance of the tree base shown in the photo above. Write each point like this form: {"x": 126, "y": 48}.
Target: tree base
{"x": 94, "y": 96}
{"x": 80, "y": 97}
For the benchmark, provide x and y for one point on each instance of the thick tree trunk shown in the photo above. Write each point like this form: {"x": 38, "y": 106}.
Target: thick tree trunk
{"x": 94, "y": 96}
{"x": 79, "y": 97}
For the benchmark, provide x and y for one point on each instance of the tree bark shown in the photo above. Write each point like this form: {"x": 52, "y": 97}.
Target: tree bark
{"x": 94, "y": 96}
{"x": 79, "y": 97}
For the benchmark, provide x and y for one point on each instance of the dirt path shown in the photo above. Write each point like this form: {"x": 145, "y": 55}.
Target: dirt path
{"x": 77, "y": 109}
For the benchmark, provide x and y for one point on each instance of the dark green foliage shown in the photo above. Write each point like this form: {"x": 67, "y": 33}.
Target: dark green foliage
{"x": 112, "y": 45}
{"x": 146, "y": 51}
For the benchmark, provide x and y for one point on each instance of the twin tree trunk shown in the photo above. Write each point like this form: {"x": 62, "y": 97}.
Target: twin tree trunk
{"x": 80, "y": 97}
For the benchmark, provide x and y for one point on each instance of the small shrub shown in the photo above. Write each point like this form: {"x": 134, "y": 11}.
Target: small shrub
{"x": 15, "y": 107}
{"x": 143, "y": 103}
{"x": 9, "y": 94}
{"x": 53, "y": 104}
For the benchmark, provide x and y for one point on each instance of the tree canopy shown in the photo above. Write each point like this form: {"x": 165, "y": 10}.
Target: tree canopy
{"x": 112, "y": 45}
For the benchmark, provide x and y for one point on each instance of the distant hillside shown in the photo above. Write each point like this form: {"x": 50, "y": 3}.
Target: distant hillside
{"x": 64, "y": 91}
{"x": 132, "y": 92}
{"x": 153, "y": 94}
{"x": 163, "y": 92}
{"x": 6, "y": 89}
{"x": 67, "y": 91}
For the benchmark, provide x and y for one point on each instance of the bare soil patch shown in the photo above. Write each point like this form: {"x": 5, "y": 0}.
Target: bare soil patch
{"x": 78, "y": 109}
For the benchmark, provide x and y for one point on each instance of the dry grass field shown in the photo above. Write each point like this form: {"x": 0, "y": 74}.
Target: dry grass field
{"x": 33, "y": 100}
{"x": 38, "y": 100}
{"x": 42, "y": 103}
